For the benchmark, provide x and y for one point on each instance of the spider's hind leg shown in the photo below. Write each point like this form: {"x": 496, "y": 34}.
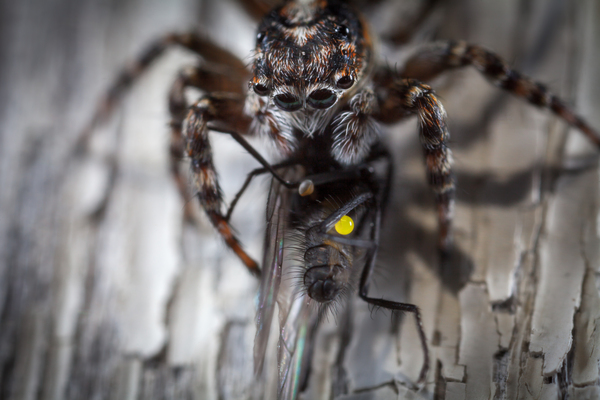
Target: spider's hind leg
{"x": 443, "y": 56}
{"x": 257, "y": 8}
{"x": 197, "y": 44}
{"x": 405, "y": 32}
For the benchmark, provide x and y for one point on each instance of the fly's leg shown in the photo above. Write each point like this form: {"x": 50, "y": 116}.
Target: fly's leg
{"x": 373, "y": 198}
{"x": 251, "y": 175}
{"x": 381, "y": 153}
{"x": 444, "y": 56}
{"x": 413, "y": 97}
{"x": 365, "y": 280}
{"x": 209, "y": 51}
{"x": 320, "y": 230}
{"x": 402, "y": 307}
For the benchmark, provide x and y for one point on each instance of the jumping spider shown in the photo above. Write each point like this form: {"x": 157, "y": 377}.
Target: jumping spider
{"x": 317, "y": 87}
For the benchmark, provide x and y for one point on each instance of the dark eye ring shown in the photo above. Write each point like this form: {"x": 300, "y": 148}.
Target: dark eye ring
{"x": 342, "y": 30}
{"x": 321, "y": 99}
{"x": 261, "y": 89}
{"x": 345, "y": 82}
{"x": 287, "y": 102}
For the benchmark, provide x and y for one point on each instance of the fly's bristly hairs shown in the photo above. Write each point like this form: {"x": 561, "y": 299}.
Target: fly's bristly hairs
{"x": 306, "y": 237}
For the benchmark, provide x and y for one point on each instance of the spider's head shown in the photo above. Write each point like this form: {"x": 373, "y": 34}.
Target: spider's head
{"x": 308, "y": 54}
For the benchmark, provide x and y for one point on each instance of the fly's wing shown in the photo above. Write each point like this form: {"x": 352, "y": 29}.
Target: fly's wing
{"x": 296, "y": 317}
{"x": 297, "y": 320}
{"x": 277, "y": 216}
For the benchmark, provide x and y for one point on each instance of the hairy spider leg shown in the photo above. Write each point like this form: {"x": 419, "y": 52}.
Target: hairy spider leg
{"x": 225, "y": 113}
{"x": 443, "y": 56}
{"x": 413, "y": 97}
{"x": 355, "y": 131}
{"x": 257, "y": 9}
{"x": 404, "y": 32}
{"x": 209, "y": 80}
{"x": 226, "y": 75}
{"x": 209, "y": 51}
{"x": 215, "y": 108}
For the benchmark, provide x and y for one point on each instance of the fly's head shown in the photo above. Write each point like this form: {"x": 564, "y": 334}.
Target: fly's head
{"x": 310, "y": 55}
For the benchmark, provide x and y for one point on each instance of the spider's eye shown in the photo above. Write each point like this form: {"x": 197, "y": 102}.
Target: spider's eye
{"x": 321, "y": 99}
{"x": 342, "y": 30}
{"x": 260, "y": 36}
{"x": 287, "y": 102}
{"x": 345, "y": 82}
{"x": 345, "y": 225}
{"x": 261, "y": 89}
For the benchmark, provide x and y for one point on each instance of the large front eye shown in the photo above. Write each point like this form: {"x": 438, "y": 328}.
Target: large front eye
{"x": 345, "y": 82}
{"x": 261, "y": 89}
{"x": 287, "y": 102}
{"x": 321, "y": 99}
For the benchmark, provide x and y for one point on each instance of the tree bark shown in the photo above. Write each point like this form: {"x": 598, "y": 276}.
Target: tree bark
{"x": 106, "y": 293}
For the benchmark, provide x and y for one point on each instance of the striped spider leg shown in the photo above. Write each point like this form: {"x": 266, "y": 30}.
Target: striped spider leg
{"x": 223, "y": 77}
{"x": 404, "y": 93}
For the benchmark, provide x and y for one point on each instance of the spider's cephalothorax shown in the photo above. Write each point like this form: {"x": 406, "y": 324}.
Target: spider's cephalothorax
{"x": 311, "y": 57}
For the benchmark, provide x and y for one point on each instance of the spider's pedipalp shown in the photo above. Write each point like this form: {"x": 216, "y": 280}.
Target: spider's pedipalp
{"x": 355, "y": 130}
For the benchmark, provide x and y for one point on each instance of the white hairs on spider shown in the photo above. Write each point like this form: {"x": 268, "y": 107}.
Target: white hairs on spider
{"x": 346, "y": 148}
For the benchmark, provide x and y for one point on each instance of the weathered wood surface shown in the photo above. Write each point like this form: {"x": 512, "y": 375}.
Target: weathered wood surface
{"x": 107, "y": 294}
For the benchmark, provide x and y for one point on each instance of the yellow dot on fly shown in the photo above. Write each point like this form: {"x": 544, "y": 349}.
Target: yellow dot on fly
{"x": 345, "y": 225}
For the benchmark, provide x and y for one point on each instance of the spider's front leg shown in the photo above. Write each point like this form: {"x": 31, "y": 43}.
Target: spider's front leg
{"x": 223, "y": 110}
{"x": 410, "y": 96}
{"x": 226, "y": 113}
{"x": 440, "y": 57}
{"x": 208, "y": 79}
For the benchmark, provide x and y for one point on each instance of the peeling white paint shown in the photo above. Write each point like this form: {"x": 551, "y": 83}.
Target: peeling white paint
{"x": 479, "y": 339}
{"x": 561, "y": 271}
